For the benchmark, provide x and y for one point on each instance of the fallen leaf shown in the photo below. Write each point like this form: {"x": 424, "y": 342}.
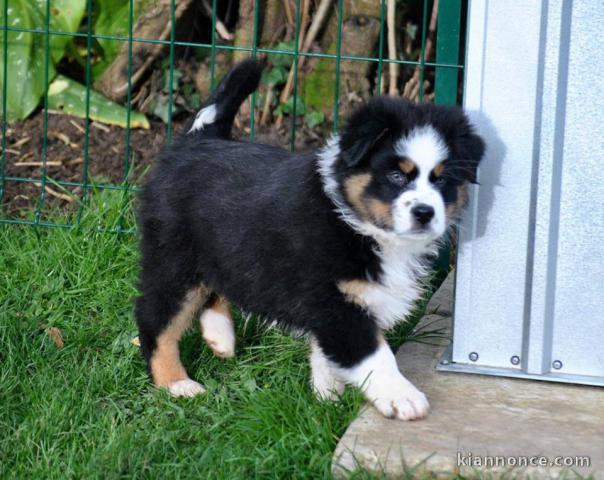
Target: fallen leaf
{"x": 55, "y": 335}
{"x": 69, "y": 96}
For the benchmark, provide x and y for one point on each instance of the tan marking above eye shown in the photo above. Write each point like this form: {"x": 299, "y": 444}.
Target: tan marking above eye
{"x": 407, "y": 166}
{"x": 439, "y": 169}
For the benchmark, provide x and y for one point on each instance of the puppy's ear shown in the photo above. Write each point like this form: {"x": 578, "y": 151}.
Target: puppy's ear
{"x": 353, "y": 155}
{"x": 358, "y": 151}
{"x": 470, "y": 150}
{"x": 368, "y": 128}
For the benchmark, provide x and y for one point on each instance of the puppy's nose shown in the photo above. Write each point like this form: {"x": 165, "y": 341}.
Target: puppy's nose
{"x": 423, "y": 213}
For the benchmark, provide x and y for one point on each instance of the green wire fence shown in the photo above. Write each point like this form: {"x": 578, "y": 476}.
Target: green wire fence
{"x": 447, "y": 68}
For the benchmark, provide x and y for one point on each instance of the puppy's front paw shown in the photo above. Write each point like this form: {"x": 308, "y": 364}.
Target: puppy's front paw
{"x": 408, "y": 405}
{"x": 185, "y": 388}
{"x": 325, "y": 384}
{"x": 327, "y": 389}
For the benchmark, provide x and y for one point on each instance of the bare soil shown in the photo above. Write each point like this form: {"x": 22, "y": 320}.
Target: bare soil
{"x": 106, "y": 154}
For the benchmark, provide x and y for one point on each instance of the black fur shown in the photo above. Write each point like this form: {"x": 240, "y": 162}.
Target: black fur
{"x": 253, "y": 223}
{"x": 229, "y": 95}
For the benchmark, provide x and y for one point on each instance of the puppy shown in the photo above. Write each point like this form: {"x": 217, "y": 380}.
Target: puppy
{"x": 333, "y": 243}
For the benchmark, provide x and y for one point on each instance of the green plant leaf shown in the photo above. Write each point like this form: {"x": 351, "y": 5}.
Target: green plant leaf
{"x": 313, "y": 118}
{"x": 282, "y": 59}
{"x": 192, "y": 97}
{"x": 112, "y": 19}
{"x": 160, "y": 107}
{"x": 69, "y": 96}
{"x": 66, "y": 16}
{"x": 288, "y": 107}
{"x": 26, "y": 54}
{"x": 176, "y": 76}
{"x": 275, "y": 76}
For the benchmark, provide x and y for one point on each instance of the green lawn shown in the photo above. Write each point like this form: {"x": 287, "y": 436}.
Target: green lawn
{"x": 87, "y": 410}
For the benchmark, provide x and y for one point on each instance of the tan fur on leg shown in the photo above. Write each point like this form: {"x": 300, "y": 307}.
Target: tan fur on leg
{"x": 166, "y": 367}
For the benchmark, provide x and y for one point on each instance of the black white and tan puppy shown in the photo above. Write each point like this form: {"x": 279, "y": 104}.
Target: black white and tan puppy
{"x": 333, "y": 243}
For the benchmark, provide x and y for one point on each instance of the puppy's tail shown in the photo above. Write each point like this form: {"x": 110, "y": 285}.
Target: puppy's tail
{"x": 216, "y": 116}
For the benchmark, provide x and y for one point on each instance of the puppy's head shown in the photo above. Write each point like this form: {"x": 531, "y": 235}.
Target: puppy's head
{"x": 401, "y": 169}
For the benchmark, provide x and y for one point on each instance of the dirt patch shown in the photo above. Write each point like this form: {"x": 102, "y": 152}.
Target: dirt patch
{"x": 65, "y": 156}
{"x": 65, "y": 149}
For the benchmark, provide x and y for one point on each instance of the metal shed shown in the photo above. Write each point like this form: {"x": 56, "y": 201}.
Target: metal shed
{"x": 529, "y": 300}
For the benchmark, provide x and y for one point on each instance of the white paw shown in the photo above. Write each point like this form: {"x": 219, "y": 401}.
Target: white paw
{"x": 411, "y": 405}
{"x": 384, "y": 386}
{"x": 220, "y": 349}
{"x": 325, "y": 384}
{"x": 219, "y": 333}
{"x": 185, "y": 388}
{"x": 327, "y": 389}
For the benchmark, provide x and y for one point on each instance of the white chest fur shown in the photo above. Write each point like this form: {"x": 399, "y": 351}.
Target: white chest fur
{"x": 391, "y": 297}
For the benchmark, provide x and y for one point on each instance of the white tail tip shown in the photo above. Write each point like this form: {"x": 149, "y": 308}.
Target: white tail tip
{"x": 204, "y": 117}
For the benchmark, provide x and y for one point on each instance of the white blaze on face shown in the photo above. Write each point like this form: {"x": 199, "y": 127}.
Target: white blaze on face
{"x": 426, "y": 149}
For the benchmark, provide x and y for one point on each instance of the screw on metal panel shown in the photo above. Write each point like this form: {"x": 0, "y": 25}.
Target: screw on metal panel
{"x": 557, "y": 364}
{"x": 515, "y": 360}
{"x": 473, "y": 356}
{"x": 444, "y": 362}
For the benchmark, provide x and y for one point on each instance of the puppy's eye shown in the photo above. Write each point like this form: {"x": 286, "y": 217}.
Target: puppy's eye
{"x": 398, "y": 178}
{"x": 439, "y": 182}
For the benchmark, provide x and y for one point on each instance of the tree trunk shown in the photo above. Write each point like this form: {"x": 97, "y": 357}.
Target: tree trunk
{"x": 360, "y": 34}
{"x": 244, "y": 35}
{"x": 273, "y": 22}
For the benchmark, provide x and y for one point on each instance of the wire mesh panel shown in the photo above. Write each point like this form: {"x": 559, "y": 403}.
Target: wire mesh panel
{"x": 42, "y": 40}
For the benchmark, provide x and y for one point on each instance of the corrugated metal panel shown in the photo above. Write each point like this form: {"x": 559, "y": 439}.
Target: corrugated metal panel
{"x": 530, "y": 275}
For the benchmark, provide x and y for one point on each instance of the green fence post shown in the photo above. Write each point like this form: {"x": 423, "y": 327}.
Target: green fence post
{"x": 381, "y": 48}
{"x": 447, "y": 51}
{"x": 171, "y": 71}
{"x": 254, "y": 53}
{"x": 445, "y": 85}
{"x": 127, "y": 146}
{"x": 4, "y": 104}
{"x": 84, "y": 196}
{"x": 422, "y": 56}
{"x": 42, "y": 198}
{"x": 295, "y": 67}
{"x": 213, "y": 49}
{"x": 336, "y": 93}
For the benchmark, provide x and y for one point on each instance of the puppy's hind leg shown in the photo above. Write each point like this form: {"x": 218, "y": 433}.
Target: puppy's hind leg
{"x": 163, "y": 317}
{"x": 217, "y": 327}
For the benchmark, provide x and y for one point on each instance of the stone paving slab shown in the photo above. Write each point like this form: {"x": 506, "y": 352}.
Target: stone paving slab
{"x": 441, "y": 303}
{"x": 481, "y": 415}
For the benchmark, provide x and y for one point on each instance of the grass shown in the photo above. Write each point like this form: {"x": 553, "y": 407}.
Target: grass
{"x": 87, "y": 410}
